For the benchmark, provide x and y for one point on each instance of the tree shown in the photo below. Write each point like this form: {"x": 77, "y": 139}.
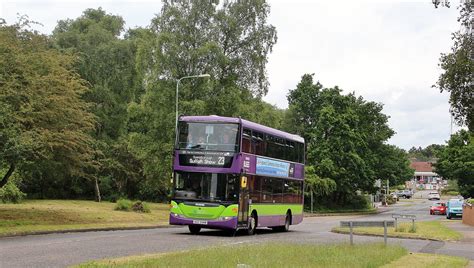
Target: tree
{"x": 107, "y": 63}
{"x": 430, "y": 153}
{"x": 231, "y": 42}
{"x": 345, "y": 137}
{"x": 456, "y": 162}
{"x": 458, "y": 68}
{"x": 43, "y": 119}
{"x": 393, "y": 165}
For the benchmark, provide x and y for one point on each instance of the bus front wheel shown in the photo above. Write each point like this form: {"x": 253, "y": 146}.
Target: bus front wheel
{"x": 194, "y": 229}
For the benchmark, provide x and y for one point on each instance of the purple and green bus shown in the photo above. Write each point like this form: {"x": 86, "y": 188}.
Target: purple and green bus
{"x": 230, "y": 173}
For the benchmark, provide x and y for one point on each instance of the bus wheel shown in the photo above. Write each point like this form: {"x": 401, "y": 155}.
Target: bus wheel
{"x": 194, "y": 229}
{"x": 286, "y": 227}
{"x": 252, "y": 224}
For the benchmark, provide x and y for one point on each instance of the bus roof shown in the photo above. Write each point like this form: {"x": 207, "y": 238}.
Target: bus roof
{"x": 245, "y": 123}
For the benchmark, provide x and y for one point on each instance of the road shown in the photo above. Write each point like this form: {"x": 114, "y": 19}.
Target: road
{"x": 60, "y": 250}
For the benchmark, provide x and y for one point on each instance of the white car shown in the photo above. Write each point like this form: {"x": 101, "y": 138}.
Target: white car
{"x": 433, "y": 195}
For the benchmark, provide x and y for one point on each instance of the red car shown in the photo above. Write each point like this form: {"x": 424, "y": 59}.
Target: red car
{"x": 438, "y": 208}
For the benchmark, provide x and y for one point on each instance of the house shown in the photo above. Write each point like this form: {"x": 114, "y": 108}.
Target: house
{"x": 425, "y": 177}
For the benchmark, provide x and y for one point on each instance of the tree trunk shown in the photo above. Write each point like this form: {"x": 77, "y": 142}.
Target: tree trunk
{"x": 97, "y": 190}
{"x": 7, "y": 175}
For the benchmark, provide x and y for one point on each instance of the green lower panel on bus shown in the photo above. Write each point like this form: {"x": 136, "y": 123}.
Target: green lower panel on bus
{"x": 276, "y": 209}
{"x": 203, "y": 212}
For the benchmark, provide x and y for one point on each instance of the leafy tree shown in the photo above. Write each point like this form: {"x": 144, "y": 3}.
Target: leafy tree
{"x": 456, "y": 162}
{"x": 430, "y": 153}
{"x": 393, "y": 164}
{"x": 345, "y": 137}
{"x": 44, "y": 122}
{"x": 317, "y": 187}
{"x": 107, "y": 62}
{"x": 458, "y": 68}
{"x": 230, "y": 42}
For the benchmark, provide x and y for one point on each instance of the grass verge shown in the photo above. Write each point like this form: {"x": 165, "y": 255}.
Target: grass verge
{"x": 435, "y": 230}
{"x": 416, "y": 260}
{"x": 266, "y": 255}
{"x": 56, "y": 215}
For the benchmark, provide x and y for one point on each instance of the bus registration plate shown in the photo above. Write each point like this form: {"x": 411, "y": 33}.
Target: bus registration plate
{"x": 199, "y": 222}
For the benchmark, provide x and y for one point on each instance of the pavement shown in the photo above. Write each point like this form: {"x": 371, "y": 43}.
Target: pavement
{"x": 60, "y": 250}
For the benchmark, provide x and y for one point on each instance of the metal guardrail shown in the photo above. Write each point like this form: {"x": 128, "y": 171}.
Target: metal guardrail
{"x": 404, "y": 216}
{"x": 352, "y": 224}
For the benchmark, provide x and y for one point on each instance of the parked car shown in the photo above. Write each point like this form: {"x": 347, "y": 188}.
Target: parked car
{"x": 433, "y": 196}
{"x": 405, "y": 194}
{"x": 438, "y": 208}
{"x": 453, "y": 208}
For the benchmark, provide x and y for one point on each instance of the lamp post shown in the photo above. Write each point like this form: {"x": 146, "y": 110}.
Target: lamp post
{"x": 177, "y": 90}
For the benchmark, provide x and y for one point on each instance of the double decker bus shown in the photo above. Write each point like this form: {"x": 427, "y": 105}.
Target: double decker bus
{"x": 230, "y": 173}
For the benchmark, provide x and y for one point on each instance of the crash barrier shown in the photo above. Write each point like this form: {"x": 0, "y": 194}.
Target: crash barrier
{"x": 468, "y": 214}
{"x": 404, "y": 216}
{"x": 384, "y": 224}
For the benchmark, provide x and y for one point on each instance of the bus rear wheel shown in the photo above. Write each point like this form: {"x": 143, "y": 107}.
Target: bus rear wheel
{"x": 286, "y": 227}
{"x": 194, "y": 229}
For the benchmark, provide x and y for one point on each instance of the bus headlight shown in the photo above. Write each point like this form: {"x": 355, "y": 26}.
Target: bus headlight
{"x": 224, "y": 218}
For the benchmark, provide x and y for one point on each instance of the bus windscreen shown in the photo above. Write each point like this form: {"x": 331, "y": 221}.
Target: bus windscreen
{"x": 208, "y": 136}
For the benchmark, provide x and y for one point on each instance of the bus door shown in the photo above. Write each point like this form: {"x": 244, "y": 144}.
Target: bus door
{"x": 243, "y": 202}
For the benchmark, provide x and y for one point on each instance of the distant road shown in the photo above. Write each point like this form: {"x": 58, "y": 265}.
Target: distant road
{"x": 60, "y": 250}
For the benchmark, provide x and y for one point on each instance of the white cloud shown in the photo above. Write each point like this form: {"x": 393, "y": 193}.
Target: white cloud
{"x": 385, "y": 51}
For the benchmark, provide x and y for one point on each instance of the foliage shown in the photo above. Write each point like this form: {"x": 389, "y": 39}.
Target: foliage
{"x": 452, "y": 188}
{"x": 45, "y": 124}
{"x": 107, "y": 62}
{"x": 10, "y": 193}
{"x": 391, "y": 200}
{"x": 458, "y": 67}
{"x": 123, "y": 204}
{"x": 140, "y": 206}
{"x": 456, "y": 162}
{"x": 345, "y": 138}
{"x": 430, "y": 153}
{"x": 230, "y": 42}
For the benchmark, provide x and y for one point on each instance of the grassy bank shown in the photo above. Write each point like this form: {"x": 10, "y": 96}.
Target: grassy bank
{"x": 428, "y": 260}
{"x": 287, "y": 255}
{"x": 56, "y": 215}
{"x": 266, "y": 255}
{"x": 424, "y": 229}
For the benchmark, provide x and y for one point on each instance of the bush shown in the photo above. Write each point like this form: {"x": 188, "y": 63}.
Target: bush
{"x": 140, "y": 206}
{"x": 10, "y": 193}
{"x": 123, "y": 204}
{"x": 391, "y": 200}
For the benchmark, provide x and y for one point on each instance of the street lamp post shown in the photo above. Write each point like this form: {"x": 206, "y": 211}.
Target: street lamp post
{"x": 177, "y": 90}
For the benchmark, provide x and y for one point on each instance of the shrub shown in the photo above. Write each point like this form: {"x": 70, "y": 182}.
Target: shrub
{"x": 391, "y": 200}
{"x": 10, "y": 193}
{"x": 123, "y": 204}
{"x": 140, "y": 206}
{"x": 357, "y": 202}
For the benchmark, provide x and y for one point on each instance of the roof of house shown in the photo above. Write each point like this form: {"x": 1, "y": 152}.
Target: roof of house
{"x": 422, "y": 166}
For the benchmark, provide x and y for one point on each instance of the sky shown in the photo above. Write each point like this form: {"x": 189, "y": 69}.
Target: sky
{"x": 385, "y": 51}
